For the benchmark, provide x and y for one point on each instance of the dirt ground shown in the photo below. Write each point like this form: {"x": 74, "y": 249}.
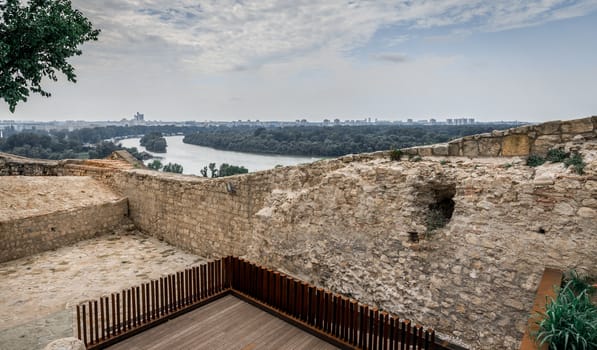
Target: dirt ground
{"x": 37, "y": 292}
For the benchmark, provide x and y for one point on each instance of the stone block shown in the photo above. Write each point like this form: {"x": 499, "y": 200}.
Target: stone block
{"x": 454, "y": 149}
{"x": 548, "y": 128}
{"x": 521, "y": 130}
{"x": 425, "y": 151}
{"x": 470, "y": 148}
{"x": 490, "y": 146}
{"x": 440, "y": 150}
{"x": 544, "y": 143}
{"x": 515, "y": 145}
{"x": 577, "y": 126}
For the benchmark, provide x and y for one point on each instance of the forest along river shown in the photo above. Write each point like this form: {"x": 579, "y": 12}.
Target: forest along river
{"x": 193, "y": 158}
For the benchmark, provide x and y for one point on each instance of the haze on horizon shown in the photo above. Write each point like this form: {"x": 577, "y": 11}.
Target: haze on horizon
{"x": 284, "y": 60}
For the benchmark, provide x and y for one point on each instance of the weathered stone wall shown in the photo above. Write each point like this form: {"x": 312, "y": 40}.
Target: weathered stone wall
{"x": 11, "y": 165}
{"x": 521, "y": 141}
{"x": 346, "y": 224}
{"x": 33, "y": 234}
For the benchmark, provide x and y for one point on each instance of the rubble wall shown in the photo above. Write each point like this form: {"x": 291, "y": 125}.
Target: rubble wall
{"x": 358, "y": 225}
{"x": 522, "y": 141}
{"x": 34, "y": 234}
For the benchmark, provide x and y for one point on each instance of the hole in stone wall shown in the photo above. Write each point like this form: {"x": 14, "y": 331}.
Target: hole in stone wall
{"x": 541, "y": 230}
{"x": 440, "y": 211}
{"x": 413, "y": 236}
{"x": 52, "y": 229}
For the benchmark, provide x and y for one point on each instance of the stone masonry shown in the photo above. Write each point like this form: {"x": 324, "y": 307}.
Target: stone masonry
{"x": 348, "y": 224}
{"x": 43, "y": 213}
{"x": 521, "y": 141}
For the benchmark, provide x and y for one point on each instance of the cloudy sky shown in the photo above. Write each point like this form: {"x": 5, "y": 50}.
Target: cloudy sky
{"x": 528, "y": 60}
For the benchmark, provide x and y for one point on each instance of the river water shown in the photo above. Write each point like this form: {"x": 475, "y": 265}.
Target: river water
{"x": 193, "y": 158}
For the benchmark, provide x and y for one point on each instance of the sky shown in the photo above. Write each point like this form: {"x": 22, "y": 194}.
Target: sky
{"x": 533, "y": 60}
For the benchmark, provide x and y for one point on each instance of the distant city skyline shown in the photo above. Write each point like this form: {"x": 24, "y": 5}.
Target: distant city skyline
{"x": 276, "y": 60}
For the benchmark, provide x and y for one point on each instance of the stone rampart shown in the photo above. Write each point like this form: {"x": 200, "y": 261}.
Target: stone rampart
{"x": 348, "y": 224}
{"x": 34, "y": 234}
{"x": 358, "y": 225}
{"x": 522, "y": 141}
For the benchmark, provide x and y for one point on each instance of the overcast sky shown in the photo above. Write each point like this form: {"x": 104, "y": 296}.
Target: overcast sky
{"x": 283, "y": 60}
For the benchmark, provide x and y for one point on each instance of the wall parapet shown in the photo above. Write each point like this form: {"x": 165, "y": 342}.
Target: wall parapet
{"x": 521, "y": 141}
{"x": 34, "y": 234}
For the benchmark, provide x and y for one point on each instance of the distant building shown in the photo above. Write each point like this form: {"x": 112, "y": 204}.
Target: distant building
{"x": 138, "y": 117}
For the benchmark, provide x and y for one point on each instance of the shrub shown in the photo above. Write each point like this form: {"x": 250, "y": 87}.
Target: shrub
{"x": 156, "y": 164}
{"x": 577, "y": 163}
{"x": 579, "y": 283}
{"x": 535, "y": 160}
{"x": 570, "y": 321}
{"x": 173, "y": 168}
{"x": 556, "y": 155}
{"x": 395, "y": 155}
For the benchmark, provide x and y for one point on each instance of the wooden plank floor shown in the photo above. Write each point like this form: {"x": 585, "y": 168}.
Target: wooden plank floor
{"x": 227, "y": 323}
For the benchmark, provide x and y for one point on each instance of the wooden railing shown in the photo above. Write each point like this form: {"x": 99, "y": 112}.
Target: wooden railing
{"x": 341, "y": 321}
{"x": 103, "y": 322}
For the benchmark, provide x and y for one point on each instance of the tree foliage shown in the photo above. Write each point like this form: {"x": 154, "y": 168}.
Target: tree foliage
{"x": 172, "y": 168}
{"x": 154, "y": 142}
{"x": 36, "y": 40}
{"x": 329, "y": 141}
{"x": 58, "y": 146}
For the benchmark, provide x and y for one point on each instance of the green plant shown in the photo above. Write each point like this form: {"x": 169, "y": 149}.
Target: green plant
{"x": 556, "y": 155}
{"x": 579, "y": 283}
{"x": 172, "y": 168}
{"x": 443, "y": 162}
{"x": 155, "y": 164}
{"x": 569, "y": 322}
{"x": 395, "y": 154}
{"x": 577, "y": 163}
{"x": 507, "y": 165}
{"x": 534, "y": 160}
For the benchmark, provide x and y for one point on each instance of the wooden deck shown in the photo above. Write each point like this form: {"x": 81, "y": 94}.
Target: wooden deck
{"x": 227, "y": 323}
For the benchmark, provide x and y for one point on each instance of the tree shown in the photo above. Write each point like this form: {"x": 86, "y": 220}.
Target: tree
{"x": 172, "y": 168}
{"x": 228, "y": 170}
{"x": 35, "y": 42}
{"x": 213, "y": 170}
{"x": 155, "y": 165}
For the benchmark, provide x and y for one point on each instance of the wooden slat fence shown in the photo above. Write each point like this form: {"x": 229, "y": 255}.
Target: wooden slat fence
{"x": 342, "y": 321}
{"x": 102, "y": 322}
{"x": 332, "y": 317}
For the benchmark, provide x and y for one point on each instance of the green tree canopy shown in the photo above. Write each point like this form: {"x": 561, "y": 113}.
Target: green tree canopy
{"x": 36, "y": 39}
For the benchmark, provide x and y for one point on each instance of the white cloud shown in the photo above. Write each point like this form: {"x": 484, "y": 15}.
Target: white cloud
{"x": 229, "y": 35}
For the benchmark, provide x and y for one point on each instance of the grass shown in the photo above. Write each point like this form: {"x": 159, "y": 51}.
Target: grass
{"x": 395, "y": 155}
{"x": 576, "y": 162}
{"x": 556, "y": 156}
{"x": 570, "y": 320}
{"x": 534, "y": 160}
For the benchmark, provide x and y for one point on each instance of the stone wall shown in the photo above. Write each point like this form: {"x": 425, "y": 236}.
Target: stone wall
{"x": 521, "y": 141}
{"x": 11, "y": 165}
{"x": 29, "y": 235}
{"x": 348, "y": 225}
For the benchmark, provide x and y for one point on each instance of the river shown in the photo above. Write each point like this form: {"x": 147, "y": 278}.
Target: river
{"x": 193, "y": 158}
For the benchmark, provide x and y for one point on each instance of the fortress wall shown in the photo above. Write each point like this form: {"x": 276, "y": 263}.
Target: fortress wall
{"x": 11, "y": 165}
{"x": 34, "y": 234}
{"x": 522, "y": 141}
{"x": 345, "y": 224}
